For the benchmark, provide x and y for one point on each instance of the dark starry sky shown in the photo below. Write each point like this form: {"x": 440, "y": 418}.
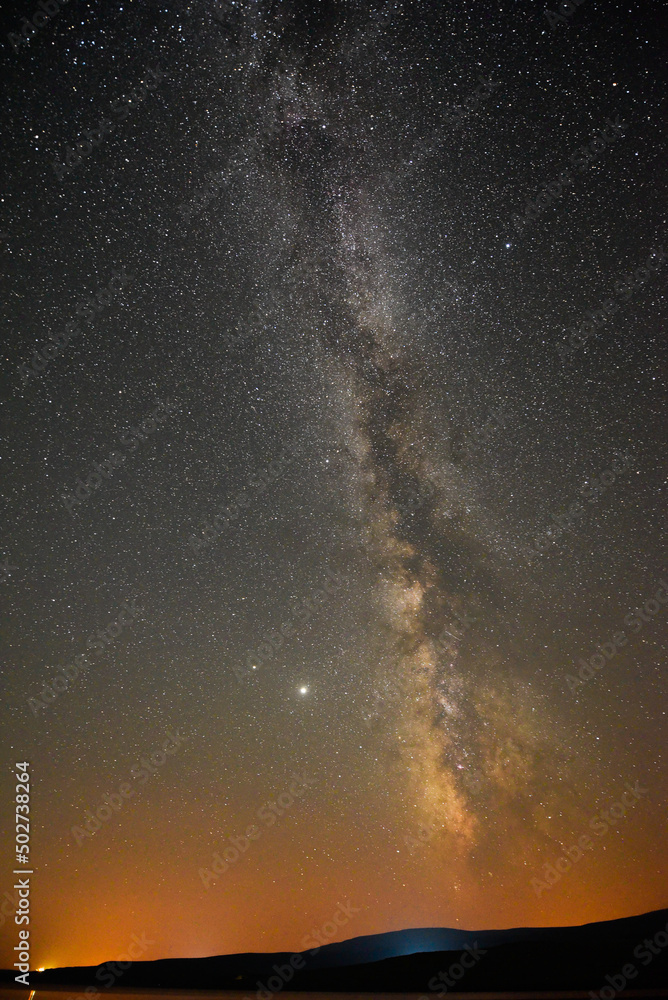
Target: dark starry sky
{"x": 330, "y": 358}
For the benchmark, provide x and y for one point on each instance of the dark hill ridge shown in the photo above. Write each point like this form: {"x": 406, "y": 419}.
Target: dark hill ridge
{"x": 556, "y": 958}
{"x": 374, "y": 947}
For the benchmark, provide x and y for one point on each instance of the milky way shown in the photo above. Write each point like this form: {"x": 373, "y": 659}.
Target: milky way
{"x": 462, "y": 724}
{"x": 350, "y": 282}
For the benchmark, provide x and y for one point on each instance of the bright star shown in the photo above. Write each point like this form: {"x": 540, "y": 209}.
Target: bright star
{"x": 303, "y": 690}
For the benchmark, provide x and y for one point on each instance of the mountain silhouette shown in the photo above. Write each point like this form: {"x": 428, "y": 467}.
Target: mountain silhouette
{"x": 631, "y": 949}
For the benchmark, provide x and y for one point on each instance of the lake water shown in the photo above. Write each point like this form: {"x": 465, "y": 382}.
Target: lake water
{"x": 62, "y": 993}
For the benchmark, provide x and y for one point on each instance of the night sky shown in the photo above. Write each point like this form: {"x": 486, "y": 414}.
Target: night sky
{"x": 345, "y": 458}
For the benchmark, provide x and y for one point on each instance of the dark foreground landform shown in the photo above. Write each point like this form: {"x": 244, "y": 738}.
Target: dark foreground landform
{"x": 610, "y": 956}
